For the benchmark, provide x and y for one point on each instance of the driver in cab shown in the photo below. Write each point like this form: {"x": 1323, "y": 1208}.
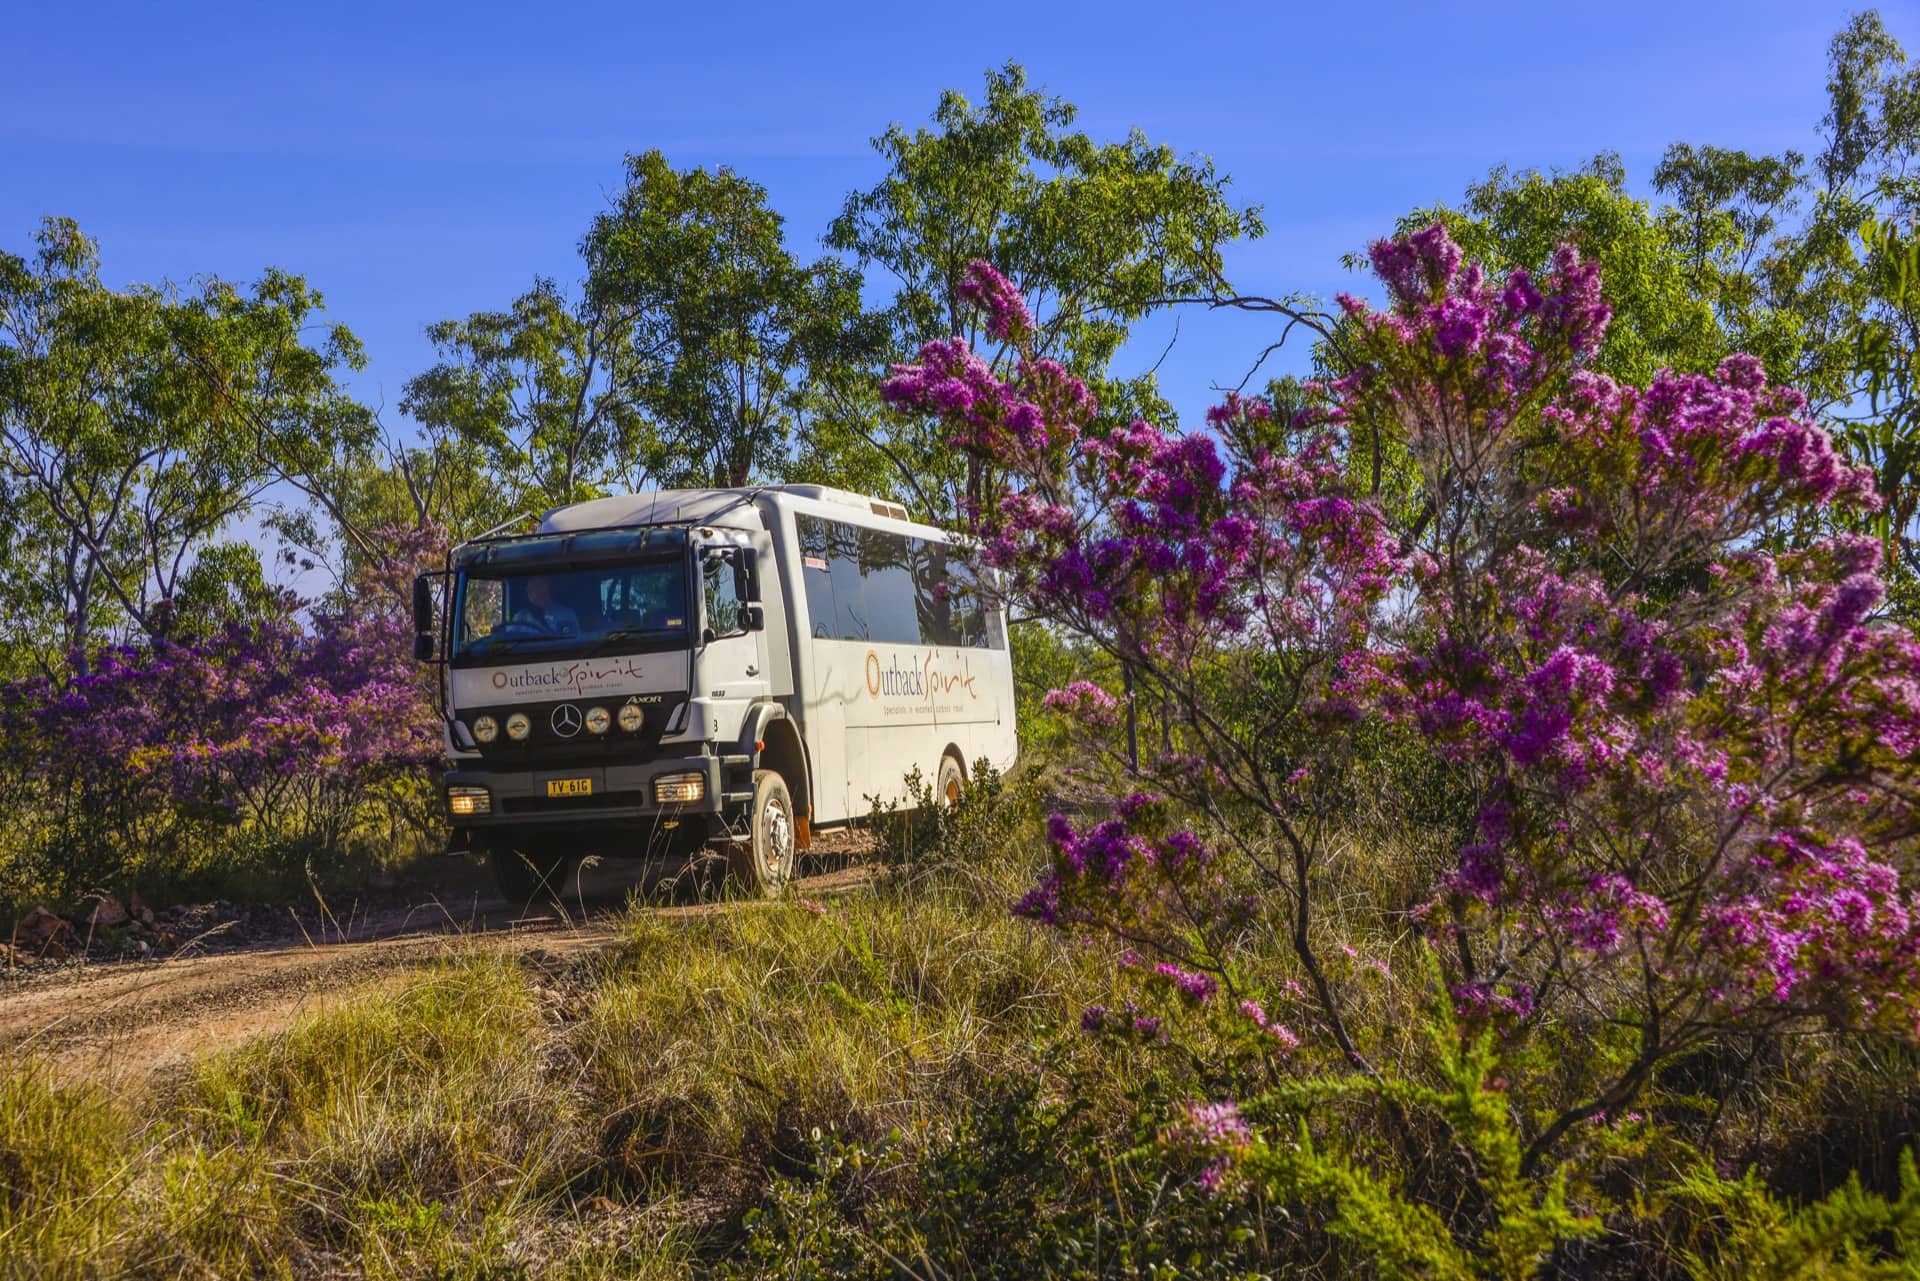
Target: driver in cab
{"x": 544, "y": 612}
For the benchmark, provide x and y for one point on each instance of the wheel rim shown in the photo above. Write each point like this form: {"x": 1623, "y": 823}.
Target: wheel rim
{"x": 779, "y": 838}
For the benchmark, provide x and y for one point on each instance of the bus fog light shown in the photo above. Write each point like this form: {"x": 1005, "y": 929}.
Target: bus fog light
{"x": 468, "y": 801}
{"x": 679, "y": 789}
{"x": 486, "y": 729}
{"x": 631, "y": 718}
{"x": 518, "y": 727}
{"x": 597, "y": 720}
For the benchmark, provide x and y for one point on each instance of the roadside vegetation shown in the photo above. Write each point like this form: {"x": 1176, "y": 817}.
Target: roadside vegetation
{"x": 1471, "y": 816}
{"x": 894, "y": 1082}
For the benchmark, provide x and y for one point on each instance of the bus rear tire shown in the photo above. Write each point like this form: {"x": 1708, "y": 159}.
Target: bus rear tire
{"x": 950, "y": 784}
{"x": 764, "y": 862}
{"x": 525, "y": 877}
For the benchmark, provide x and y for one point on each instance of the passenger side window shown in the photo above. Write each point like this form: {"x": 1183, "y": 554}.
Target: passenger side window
{"x": 874, "y": 585}
{"x": 851, "y": 618}
{"x": 886, "y": 584}
{"x": 948, "y": 598}
{"x": 816, "y": 572}
{"x": 724, "y": 594}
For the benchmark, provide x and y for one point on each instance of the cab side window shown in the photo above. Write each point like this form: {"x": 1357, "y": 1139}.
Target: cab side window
{"x": 725, "y": 595}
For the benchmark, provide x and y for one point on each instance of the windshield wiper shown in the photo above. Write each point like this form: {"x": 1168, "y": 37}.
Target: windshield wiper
{"x": 488, "y": 644}
{"x": 632, "y": 633}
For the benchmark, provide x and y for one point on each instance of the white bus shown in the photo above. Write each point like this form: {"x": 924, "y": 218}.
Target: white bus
{"x": 734, "y": 669}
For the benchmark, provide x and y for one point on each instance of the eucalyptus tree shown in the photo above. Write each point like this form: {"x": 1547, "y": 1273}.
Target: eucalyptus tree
{"x": 137, "y": 424}
{"x": 544, "y": 391}
{"x": 697, "y": 350}
{"x": 1095, "y": 235}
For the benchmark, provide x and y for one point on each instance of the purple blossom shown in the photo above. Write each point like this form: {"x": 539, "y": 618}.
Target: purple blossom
{"x": 1416, "y": 267}
{"x": 1086, "y": 701}
{"x": 1007, "y": 316}
{"x": 1674, "y": 733}
{"x": 1214, "y": 1132}
{"x": 1194, "y": 986}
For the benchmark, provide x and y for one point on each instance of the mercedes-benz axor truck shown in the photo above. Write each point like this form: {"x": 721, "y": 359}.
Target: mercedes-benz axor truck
{"x": 707, "y": 672}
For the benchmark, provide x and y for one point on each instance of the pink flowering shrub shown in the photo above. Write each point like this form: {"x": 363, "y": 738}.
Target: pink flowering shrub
{"x": 1688, "y": 746}
{"x": 160, "y": 756}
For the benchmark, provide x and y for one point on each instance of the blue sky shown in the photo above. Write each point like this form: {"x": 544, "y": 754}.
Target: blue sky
{"x": 418, "y": 162}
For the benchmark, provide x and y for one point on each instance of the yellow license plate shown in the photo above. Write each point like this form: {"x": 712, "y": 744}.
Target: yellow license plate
{"x": 569, "y": 787}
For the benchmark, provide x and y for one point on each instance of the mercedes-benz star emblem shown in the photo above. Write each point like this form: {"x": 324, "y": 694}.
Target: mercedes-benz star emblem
{"x": 566, "y": 720}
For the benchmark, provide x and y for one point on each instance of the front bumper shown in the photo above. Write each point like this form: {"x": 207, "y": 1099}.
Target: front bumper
{"x": 519, "y": 797}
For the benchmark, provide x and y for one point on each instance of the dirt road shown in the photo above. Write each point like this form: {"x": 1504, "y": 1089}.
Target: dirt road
{"x": 134, "y": 1019}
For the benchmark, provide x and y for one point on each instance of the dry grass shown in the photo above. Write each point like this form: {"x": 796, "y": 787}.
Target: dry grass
{"x": 743, "y": 1033}
{"x": 491, "y": 1118}
{"x": 624, "y": 1116}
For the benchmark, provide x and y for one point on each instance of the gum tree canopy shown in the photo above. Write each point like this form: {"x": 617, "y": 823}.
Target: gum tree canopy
{"x": 697, "y": 351}
{"x": 1095, "y": 235}
{"x": 135, "y": 425}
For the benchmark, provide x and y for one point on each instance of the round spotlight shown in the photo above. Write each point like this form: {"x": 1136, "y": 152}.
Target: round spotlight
{"x": 598, "y": 720}
{"x": 518, "y": 727}
{"x": 631, "y": 718}
{"x": 486, "y": 729}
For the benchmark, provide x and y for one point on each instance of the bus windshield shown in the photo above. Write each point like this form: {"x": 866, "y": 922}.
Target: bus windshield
{"x": 641, "y": 605}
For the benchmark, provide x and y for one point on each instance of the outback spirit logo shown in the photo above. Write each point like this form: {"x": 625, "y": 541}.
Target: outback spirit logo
{"x": 579, "y": 679}
{"x": 927, "y": 681}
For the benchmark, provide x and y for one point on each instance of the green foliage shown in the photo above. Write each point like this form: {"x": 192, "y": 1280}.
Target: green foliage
{"x": 544, "y": 392}
{"x": 1027, "y": 1184}
{"x": 1096, "y": 234}
{"x": 135, "y": 426}
{"x": 227, "y": 581}
{"x": 746, "y": 345}
{"x": 1756, "y": 1237}
{"x": 1506, "y": 1223}
{"x": 698, "y": 352}
{"x": 924, "y": 832}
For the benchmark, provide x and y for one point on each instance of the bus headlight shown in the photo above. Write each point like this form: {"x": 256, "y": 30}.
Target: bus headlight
{"x": 679, "y": 789}
{"x": 518, "y": 727}
{"x": 465, "y": 802}
{"x": 597, "y": 720}
{"x": 486, "y": 729}
{"x": 631, "y": 718}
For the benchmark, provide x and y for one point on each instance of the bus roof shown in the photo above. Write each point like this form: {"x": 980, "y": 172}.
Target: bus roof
{"x": 724, "y": 508}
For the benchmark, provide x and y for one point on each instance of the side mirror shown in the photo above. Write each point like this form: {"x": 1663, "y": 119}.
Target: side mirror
{"x": 753, "y": 618}
{"x": 423, "y": 618}
{"x": 423, "y": 603}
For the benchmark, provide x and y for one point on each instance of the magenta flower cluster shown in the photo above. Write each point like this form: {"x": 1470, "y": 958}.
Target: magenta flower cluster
{"x": 1214, "y": 1132}
{"x": 1695, "y": 752}
{"x": 1006, "y": 311}
{"x": 1086, "y": 702}
{"x": 212, "y": 724}
{"x": 233, "y": 727}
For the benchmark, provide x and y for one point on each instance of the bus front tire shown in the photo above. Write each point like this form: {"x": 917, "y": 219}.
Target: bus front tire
{"x": 764, "y": 862}
{"x": 528, "y": 876}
